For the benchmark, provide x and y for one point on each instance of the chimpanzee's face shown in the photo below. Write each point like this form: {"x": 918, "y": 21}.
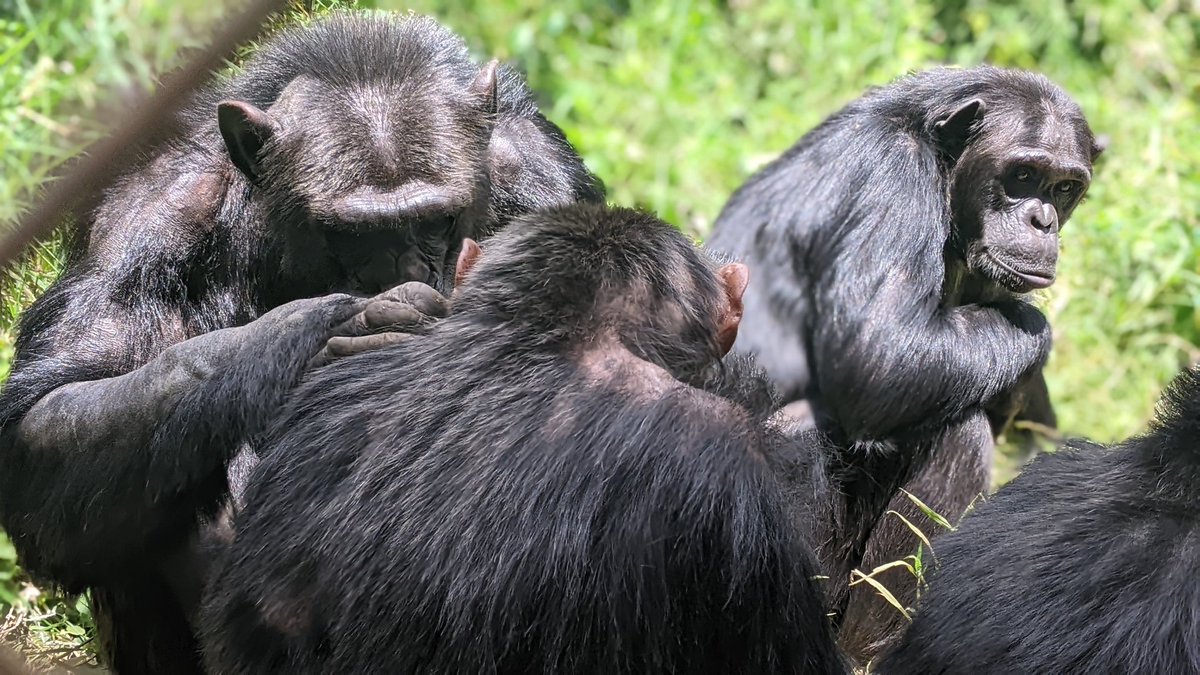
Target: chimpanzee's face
{"x": 392, "y": 176}
{"x": 1014, "y": 187}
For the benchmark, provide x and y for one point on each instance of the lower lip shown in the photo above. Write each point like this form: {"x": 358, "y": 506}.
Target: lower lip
{"x": 1038, "y": 283}
{"x": 1034, "y": 281}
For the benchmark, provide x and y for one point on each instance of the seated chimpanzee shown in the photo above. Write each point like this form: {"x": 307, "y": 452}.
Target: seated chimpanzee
{"x": 345, "y": 159}
{"x": 1085, "y": 563}
{"x": 897, "y": 241}
{"x": 562, "y": 497}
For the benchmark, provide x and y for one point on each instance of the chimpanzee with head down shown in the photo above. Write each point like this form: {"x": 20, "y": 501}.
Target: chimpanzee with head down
{"x": 562, "y": 498}
{"x": 896, "y": 242}
{"x": 345, "y": 159}
{"x": 1085, "y": 563}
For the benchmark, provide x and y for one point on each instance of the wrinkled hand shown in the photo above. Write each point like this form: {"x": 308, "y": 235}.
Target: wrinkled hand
{"x": 1028, "y": 402}
{"x": 385, "y": 320}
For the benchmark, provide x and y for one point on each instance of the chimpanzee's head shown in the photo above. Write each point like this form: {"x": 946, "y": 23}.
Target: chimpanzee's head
{"x": 1023, "y": 160}
{"x": 587, "y": 277}
{"x": 391, "y": 172}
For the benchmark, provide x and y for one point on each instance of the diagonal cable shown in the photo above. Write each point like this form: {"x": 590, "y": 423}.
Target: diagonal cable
{"x": 109, "y": 158}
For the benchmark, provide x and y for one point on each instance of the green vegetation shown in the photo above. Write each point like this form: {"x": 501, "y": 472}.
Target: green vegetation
{"x": 675, "y": 102}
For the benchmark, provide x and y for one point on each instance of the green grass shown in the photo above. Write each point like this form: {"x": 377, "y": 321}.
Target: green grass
{"x": 675, "y": 103}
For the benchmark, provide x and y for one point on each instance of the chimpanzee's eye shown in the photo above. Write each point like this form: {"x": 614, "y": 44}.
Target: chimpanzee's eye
{"x": 1023, "y": 175}
{"x": 437, "y": 228}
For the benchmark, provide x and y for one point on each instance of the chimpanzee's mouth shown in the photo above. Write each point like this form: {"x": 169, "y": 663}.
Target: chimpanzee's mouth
{"x": 373, "y": 262}
{"x": 1021, "y": 281}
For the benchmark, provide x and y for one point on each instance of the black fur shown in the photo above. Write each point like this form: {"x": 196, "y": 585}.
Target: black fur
{"x": 559, "y": 499}
{"x": 1085, "y": 563}
{"x": 882, "y": 304}
{"x": 104, "y": 487}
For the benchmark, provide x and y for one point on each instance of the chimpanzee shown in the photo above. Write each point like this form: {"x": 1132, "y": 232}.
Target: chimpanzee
{"x": 1085, "y": 563}
{"x": 563, "y": 497}
{"x": 345, "y": 159}
{"x": 896, "y": 242}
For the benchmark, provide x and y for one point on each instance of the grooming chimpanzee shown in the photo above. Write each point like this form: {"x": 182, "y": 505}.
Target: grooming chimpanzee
{"x": 347, "y": 157}
{"x": 896, "y": 241}
{"x": 1085, "y": 563}
{"x": 561, "y": 498}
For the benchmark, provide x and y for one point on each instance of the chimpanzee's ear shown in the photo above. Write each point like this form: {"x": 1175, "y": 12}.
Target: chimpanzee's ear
{"x": 953, "y": 131}
{"x": 483, "y": 87}
{"x": 246, "y": 130}
{"x": 467, "y": 257}
{"x": 1099, "y": 145}
{"x": 734, "y": 278}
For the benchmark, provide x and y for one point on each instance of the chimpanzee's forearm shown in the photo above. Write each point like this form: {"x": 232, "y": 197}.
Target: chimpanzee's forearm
{"x": 153, "y": 443}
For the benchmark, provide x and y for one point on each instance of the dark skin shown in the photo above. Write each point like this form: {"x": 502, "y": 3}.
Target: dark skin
{"x": 1009, "y": 197}
{"x": 289, "y": 224}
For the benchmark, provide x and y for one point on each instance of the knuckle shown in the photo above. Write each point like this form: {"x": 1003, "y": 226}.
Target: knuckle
{"x": 388, "y": 339}
{"x": 405, "y": 292}
{"x": 351, "y": 327}
{"x": 420, "y": 296}
{"x": 381, "y": 340}
{"x": 359, "y": 324}
{"x": 418, "y": 293}
{"x": 393, "y": 314}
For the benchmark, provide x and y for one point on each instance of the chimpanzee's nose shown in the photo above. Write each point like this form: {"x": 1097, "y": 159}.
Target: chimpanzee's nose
{"x": 1042, "y": 217}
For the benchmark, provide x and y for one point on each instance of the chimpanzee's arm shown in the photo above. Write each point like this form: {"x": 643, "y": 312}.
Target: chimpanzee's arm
{"x": 887, "y": 356}
{"x": 100, "y": 467}
{"x": 115, "y": 428}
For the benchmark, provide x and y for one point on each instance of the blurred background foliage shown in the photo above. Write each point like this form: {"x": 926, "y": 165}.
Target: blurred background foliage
{"x": 675, "y": 102}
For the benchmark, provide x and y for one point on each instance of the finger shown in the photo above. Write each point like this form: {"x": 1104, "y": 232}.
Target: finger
{"x": 345, "y": 346}
{"x": 393, "y": 316}
{"x": 321, "y": 359}
{"x": 421, "y": 296}
{"x": 355, "y": 326}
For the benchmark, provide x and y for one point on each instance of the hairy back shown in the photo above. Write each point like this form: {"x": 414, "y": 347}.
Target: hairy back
{"x": 555, "y": 499}
{"x": 1084, "y": 563}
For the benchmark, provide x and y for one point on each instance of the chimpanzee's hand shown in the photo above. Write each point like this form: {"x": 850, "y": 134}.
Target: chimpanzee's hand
{"x": 1028, "y": 403}
{"x": 386, "y": 319}
{"x": 1033, "y": 337}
